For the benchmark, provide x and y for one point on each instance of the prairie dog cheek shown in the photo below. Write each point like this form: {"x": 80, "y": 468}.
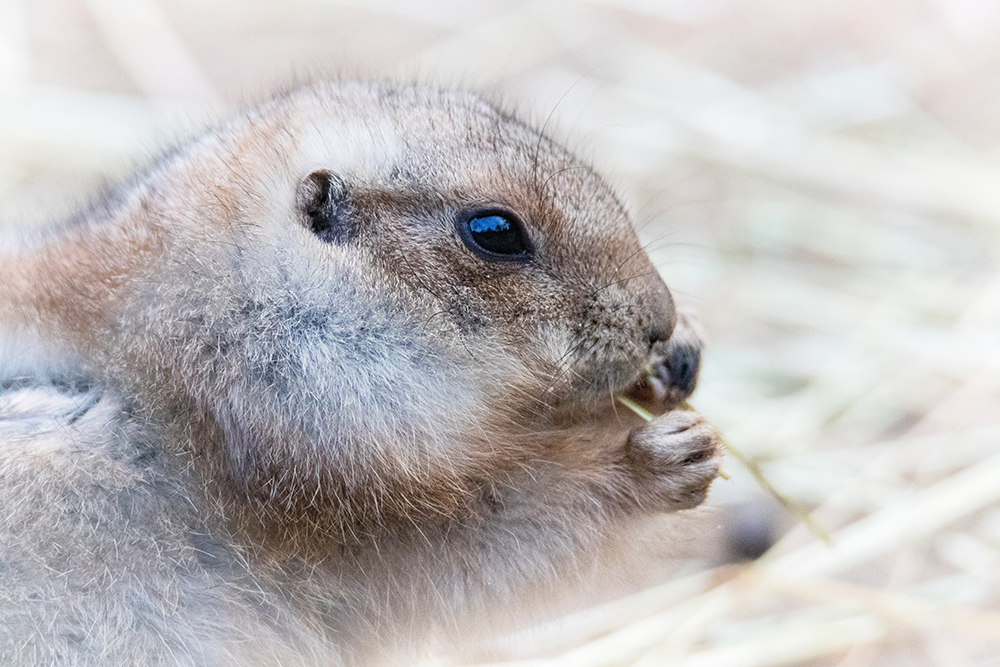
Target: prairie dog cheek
{"x": 555, "y": 344}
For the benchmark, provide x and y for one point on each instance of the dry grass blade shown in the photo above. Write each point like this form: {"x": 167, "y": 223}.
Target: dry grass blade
{"x": 912, "y": 518}
{"x": 787, "y": 643}
{"x": 902, "y": 608}
{"x": 635, "y": 407}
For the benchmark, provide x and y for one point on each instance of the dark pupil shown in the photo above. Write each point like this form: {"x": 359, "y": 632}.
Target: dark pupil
{"x": 495, "y": 233}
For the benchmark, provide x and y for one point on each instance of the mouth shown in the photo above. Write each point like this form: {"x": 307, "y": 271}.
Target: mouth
{"x": 666, "y": 381}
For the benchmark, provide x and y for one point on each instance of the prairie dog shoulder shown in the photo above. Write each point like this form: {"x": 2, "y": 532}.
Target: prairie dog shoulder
{"x": 351, "y": 369}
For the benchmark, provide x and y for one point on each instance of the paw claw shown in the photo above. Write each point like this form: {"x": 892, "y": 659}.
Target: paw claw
{"x": 677, "y": 458}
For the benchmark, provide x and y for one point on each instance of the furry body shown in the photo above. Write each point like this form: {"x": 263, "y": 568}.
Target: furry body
{"x": 296, "y": 417}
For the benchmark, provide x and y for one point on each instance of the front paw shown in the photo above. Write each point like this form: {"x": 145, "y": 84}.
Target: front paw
{"x": 675, "y": 458}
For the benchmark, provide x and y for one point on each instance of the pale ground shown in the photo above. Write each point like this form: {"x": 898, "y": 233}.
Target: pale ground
{"x": 820, "y": 181}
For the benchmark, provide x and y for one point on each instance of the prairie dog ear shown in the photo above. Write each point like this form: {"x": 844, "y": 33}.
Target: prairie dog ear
{"x": 325, "y": 206}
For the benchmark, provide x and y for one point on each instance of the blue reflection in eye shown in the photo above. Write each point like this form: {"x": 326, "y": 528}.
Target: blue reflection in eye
{"x": 498, "y": 234}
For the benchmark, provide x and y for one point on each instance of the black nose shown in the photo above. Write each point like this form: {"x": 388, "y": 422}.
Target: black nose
{"x": 681, "y": 365}
{"x": 673, "y": 375}
{"x": 677, "y": 368}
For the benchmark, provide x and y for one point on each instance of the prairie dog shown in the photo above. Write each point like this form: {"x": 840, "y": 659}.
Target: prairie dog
{"x": 335, "y": 372}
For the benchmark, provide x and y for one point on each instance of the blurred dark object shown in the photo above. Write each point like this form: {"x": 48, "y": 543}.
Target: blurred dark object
{"x": 750, "y": 528}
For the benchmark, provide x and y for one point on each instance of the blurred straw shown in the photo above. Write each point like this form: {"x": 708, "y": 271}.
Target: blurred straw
{"x": 140, "y": 34}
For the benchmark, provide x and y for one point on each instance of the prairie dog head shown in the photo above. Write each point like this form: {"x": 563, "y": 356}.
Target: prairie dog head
{"x": 376, "y": 296}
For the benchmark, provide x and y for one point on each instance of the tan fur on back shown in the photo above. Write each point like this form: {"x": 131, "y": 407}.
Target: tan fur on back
{"x": 269, "y": 404}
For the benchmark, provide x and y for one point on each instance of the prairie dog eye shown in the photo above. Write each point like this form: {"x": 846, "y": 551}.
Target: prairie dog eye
{"x": 494, "y": 235}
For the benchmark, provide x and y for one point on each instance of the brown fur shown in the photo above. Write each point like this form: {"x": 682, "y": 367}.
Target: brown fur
{"x": 240, "y": 441}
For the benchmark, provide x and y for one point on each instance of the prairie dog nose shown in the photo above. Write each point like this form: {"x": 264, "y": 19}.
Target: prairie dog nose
{"x": 683, "y": 358}
{"x": 673, "y": 373}
{"x": 679, "y": 370}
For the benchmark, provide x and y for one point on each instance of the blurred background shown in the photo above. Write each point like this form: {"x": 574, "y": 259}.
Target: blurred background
{"x": 819, "y": 181}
